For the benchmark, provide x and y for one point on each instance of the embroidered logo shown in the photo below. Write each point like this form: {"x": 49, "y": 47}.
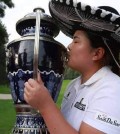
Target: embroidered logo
{"x": 79, "y": 105}
{"x": 68, "y": 94}
{"x": 107, "y": 119}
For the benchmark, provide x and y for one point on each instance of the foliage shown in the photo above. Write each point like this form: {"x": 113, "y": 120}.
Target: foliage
{"x": 3, "y": 34}
{"x": 3, "y": 5}
{"x": 3, "y": 39}
{"x": 70, "y": 74}
{"x": 4, "y": 89}
{"x": 7, "y": 116}
{"x": 63, "y": 88}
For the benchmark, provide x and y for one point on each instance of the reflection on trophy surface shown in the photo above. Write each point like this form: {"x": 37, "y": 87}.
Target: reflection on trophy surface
{"x": 22, "y": 65}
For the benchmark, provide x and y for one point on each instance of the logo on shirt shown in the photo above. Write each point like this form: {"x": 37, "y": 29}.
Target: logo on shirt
{"x": 107, "y": 119}
{"x": 80, "y": 105}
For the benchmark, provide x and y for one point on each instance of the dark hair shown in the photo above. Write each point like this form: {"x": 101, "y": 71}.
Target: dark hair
{"x": 97, "y": 41}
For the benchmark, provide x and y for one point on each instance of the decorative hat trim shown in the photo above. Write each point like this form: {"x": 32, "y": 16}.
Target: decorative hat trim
{"x": 72, "y": 15}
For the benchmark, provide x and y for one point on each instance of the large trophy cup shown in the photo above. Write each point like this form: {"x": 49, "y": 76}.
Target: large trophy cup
{"x": 35, "y": 50}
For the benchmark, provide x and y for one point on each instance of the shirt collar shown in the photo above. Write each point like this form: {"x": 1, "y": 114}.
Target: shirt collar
{"x": 98, "y": 75}
{"x": 95, "y": 77}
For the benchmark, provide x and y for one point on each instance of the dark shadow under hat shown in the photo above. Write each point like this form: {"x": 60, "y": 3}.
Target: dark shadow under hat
{"x": 71, "y": 16}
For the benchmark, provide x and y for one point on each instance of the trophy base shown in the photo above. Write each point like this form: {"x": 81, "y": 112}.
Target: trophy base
{"x": 29, "y": 131}
{"x": 28, "y": 121}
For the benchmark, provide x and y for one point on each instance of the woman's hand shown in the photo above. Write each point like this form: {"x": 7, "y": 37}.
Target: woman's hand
{"x": 37, "y": 95}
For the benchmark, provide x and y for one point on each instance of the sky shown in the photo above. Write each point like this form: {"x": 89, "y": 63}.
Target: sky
{"x": 23, "y": 7}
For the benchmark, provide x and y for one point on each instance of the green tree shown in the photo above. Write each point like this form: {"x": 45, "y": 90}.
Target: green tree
{"x": 3, "y": 39}
{"x": 70, "y": 74}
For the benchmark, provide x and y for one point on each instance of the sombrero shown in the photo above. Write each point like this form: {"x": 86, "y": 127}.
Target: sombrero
{"x": 72, "y": 15}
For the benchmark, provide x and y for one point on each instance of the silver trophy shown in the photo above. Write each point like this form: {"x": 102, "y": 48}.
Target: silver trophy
{"x": 35, "y": 50}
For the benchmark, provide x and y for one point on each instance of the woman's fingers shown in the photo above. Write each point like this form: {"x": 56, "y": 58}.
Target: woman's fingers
{"x": 32, "y": 83}
{"x": 26, "y": 96}
{"x": 39, "y": 78}
{"x": 28, "y": 86}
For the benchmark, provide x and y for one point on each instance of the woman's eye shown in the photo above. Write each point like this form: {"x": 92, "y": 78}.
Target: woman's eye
{"x": 75, "y": 41}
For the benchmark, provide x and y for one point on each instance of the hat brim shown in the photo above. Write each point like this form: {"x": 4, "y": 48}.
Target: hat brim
{"x": 71, "y": 16}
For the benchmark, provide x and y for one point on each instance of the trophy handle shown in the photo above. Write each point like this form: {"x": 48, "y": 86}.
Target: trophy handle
{"x": 36, "y": 44}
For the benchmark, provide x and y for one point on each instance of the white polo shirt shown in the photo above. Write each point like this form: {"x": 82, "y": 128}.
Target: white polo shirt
{"x": 96, "y": 102}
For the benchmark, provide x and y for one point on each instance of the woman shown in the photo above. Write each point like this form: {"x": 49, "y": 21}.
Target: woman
{"x": 91, "y": 102}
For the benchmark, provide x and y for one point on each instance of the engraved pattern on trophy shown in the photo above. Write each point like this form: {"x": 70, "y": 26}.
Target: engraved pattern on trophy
{"x": 20, "y": 64}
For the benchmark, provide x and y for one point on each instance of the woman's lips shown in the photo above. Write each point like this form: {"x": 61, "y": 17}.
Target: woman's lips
{"x": 67, "y": 55}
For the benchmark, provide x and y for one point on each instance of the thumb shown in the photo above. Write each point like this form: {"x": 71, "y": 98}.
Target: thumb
{"x": 39, "y": 80}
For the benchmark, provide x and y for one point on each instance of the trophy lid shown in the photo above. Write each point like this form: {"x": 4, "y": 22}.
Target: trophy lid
{"x": 27, "y": 24}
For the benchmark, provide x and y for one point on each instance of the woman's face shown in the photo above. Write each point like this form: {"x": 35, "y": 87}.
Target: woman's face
{"x": 80, "y": 51}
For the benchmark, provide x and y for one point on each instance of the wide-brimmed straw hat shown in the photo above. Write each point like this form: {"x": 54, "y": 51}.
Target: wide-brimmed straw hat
{"x": 72, "y": 15}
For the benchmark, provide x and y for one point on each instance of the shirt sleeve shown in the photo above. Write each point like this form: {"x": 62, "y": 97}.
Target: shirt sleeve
{"x": 103, "y": 112}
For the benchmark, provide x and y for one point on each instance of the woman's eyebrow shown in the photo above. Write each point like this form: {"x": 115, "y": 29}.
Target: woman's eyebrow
{"x": 76, "y": 37}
